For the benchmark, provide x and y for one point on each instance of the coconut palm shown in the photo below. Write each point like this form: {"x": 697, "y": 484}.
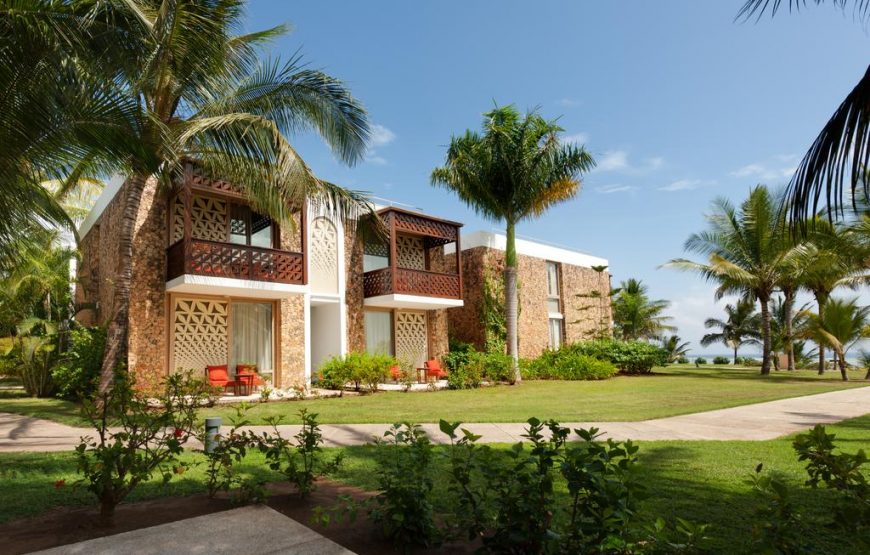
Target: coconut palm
{"x": 191, "y": 88}
{"x": 741, "y": 327}
{"x": 748, "y": 253}
{"x": 784, "y": 321}
{"x": 837, "y": 157}
{"x": 635, "y": 315}
{"x": 513, "y": 171}
{"x": 673, "y": 347}
{"x": 843, "y": 324}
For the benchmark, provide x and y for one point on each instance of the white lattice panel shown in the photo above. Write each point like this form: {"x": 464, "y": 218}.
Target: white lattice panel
{"x": 411, "y": 337}
{"x": 410, "y": 253}
{"x": 208, "y": 219}
{"x": 199, "y": 332}
{"x": 323, "y": 256}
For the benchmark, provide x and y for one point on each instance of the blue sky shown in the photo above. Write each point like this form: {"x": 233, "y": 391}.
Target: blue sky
{"x": 677, "y": 102}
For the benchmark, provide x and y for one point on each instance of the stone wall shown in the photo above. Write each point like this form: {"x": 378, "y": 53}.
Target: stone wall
{"x": 292, "y": 342}
{"x": 354, "y": 296}
{"x": 581, "y": 314}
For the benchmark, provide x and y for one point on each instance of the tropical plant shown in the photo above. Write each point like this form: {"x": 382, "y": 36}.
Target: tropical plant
{"x": 840, "y": 151}
{"x": 843, "y": 324}
{"x": 748, "y": 253}
{"x": 741, "y": 327}
{"x": 675, "y": 350}
{"x": 513, "y": 172}
{"x": 635, "y": 315}
{"x": 184, "y": 86}
{"x": 784, "y": 323}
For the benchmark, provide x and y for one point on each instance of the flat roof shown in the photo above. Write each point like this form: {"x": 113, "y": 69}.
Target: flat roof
{"x": 528, "y": 247}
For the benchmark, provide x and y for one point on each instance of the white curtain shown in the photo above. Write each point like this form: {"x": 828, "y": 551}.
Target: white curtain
{"x": 379, "y": 332}
{"x": 252, "y": 335}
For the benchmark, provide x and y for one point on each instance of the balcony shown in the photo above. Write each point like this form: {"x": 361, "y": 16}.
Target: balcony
{"x": 220, "y": 246}
{"x": 409, "y": 269}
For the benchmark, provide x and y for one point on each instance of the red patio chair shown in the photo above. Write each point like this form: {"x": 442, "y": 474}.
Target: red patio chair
{"x": 218, "y": 376}
{"x": 250, "y": 369}
{"x": 434, "y": 370}
{"x": 396, "y": 373}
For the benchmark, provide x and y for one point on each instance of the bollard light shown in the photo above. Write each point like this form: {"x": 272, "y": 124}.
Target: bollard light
{"x": 212, "y": 429}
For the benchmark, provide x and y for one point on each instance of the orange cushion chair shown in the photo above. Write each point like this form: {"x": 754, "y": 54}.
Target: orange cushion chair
{"x": 395, "y": 373}
{"x": 250, "y": 369}
{"x": 434, "y": 370}
{"x": 219, "y": 376}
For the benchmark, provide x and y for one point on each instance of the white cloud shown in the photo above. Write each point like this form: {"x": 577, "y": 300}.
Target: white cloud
{"x": 609, "y": 189}
{"x": 568, "y": 102}
{"x": 381, "y": 136}
{"x": 618, "y": 161}
{"x": 765, "y": 171}
{"x": 576, "y": 138}
{"x": 376, "y": 160}
{"x": 655, "y": 162}
{"x": 613, "y": 160}
{"x": 682, "y": 185}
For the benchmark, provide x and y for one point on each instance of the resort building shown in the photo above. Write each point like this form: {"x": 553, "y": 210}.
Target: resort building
{"x": 564, "y": 294}
{"x": 215, "y": 283}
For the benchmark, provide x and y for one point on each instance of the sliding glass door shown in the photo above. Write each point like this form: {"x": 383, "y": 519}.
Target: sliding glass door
{"x": 251, "y": 335}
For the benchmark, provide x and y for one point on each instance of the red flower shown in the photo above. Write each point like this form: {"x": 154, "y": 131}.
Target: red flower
{"x": 178, "y": 433}
{"x": 59, "y": 484}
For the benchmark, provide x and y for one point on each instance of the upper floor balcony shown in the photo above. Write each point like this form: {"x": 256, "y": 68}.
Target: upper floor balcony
{"x": 408, "y": 269}
{"x": 219, "y": 245}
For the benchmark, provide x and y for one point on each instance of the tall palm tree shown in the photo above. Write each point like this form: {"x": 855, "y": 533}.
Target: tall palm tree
{"x": 190, "y": 87}
{"x": 748, "y": 253}
{"x": 513, "y": 171}
{"x": 635, "y": 315}
{"x": 741, "y": 327}
{"x": 784, "y": 323}
{"x": 674, "y": 348}
{"x": 837, "y": 157}
{"x": 843, "y": 324}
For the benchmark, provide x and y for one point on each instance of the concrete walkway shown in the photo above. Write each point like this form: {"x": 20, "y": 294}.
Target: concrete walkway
{"x": 756, "y": 422}
{"x": 253, "y": 529}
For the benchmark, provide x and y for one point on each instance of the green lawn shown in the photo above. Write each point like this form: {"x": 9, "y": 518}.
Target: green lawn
{"x": 671, "y": 391}
{"x": 702, "y": 481}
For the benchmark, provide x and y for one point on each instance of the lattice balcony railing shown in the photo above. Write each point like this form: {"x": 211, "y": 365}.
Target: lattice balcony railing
{"x": 411, "y": 282}
{"x": 228, "y": 260}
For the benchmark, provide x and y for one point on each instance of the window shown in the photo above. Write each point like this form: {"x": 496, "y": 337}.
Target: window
{"x": 376, "y": 255}
{"x": 555, "y": 325}
{"x": 251, "y": 325}
{"x": 250, "y": 228}
{"x": 553, "y": 304}
{"x": 379, "y": 332}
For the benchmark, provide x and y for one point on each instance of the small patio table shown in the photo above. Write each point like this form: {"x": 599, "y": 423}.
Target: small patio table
{"x": 244, "y": 382}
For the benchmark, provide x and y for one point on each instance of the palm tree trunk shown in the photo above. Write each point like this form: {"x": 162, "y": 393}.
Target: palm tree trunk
{"x": 789, "y": 333}
{"x": 735, "y": 354}
{"x": 841, "y": 360}
{"x": 116, "y": 334}
{"x": 765, "y": 336}
{"x": 821, "y": 300}
{"x": 511, "y": 300}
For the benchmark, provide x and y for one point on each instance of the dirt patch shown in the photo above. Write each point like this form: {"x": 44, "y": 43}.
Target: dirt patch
{"x": 64, "y": 526}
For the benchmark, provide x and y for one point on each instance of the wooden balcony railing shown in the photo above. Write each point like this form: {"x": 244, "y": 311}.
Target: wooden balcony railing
{"x": 228, "y": 260}
{"x": 411, "y": 282}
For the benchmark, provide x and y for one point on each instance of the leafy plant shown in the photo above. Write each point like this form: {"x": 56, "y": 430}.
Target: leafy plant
{"x": 364, "y": 370}
{"x": 470, "y": 467}
{"x": 136, "y": 439}
{"x": 566, "y": 363}
{"x": 78, "y": 373}
{"x": 228, "y": 450}
{"x": 777, "y": 521}
{"x": 32, "y": 359}
{"x": 700, "y": 360}
{"x": 721, "y": 361}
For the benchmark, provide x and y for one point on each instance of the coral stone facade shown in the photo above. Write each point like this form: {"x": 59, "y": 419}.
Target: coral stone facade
{"x": 564, "y": 295}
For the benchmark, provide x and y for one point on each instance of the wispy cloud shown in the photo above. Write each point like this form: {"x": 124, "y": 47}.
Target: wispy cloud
{"x": 781, "y": 167}
{"x": 612, "y": 160}
{"x": 381, "y": 136}
{"x": 568, "y": 102}
{"x": 682, "y": 185}
{"x": 610, "y": 189}
{"x": 376, "y": 160}
{"x": 618, "y": 161}
{"x": 576, "y": 138}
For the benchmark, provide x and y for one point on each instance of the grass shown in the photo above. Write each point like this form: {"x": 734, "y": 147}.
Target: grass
{"x": 670, "y": 391}
{"x": 698, "y": 480}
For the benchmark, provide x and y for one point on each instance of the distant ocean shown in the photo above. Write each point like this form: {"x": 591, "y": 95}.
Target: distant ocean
{"x": 850, "y": 358}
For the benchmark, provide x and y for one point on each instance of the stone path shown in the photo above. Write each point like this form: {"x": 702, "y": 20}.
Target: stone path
{"x": 756, "y": 422}
{"x": 253, "y": 529}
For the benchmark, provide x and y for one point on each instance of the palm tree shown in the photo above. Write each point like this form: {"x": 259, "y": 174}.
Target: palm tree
{"x": 843, "y": 324}
{"x": 783, "y": 324}
{"x": 748, "y": 253}
{"x": 635, "y": 315}
{"x": 842, "y": 148}
{"x": 188, "y": 88}
{"x": 514, "y": 171}
{"x": 674, "y": 348}
{"x": 741, "y": 327}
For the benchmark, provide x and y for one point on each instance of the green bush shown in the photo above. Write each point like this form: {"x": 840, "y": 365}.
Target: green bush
{"x": 721, "y": 360}
{"x": 363, "y": 369}
{"x": 78, "y": 374}
{"x": 683, "y": 360}
{"x": 700, "y": 360}
{"x": 567, "y": 364}
{"x": 458, "y": 355}
{"x": 630, "y": 357}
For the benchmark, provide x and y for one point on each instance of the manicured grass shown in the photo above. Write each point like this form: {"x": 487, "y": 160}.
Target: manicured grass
{"x": 670, "y": 391}
{"x": 58, "y": 410}
{"x": 703, "y": 481}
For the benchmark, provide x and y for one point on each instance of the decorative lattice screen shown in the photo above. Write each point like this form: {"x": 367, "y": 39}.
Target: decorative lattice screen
{"x": 199, "y": 333}
{"x": 411, "y": 337}
{"x": 410, "y": 253}
{"x": 324, "y": 256}
{"x": 208, "y": 219}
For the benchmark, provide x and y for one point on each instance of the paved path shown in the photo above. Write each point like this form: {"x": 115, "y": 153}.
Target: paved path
{"x": 253, "y": 529}
{"x": 748, "y": 422}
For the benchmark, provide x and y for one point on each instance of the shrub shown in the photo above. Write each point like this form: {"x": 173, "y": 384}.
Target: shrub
{"x": 32, "y": 358}
{"x": 721, "y": 360}
{"x": 700, "y": 360}
{"x": 496, "y": 366}
{"x": 142, "y": 440}
{"x": 630, "y": 357}
{"x": 458, "y": 355}
{"x": 567, "y": 364}
{"x": 78, "y": 373}
{"x": 363, "y": 369}
{"x": 683, "y": 360}
{"x": 468, "y": 375}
